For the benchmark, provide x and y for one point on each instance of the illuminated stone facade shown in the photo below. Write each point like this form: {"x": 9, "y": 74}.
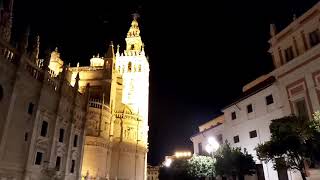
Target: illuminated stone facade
{"x": 153, "y": 172}
{"x": 42, "y": 117}
{"x": 71, "y": 123}
{"x": 117, "y": 120}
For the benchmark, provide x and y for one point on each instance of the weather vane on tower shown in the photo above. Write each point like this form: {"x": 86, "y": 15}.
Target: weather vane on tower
{"x": 135, "y": 16}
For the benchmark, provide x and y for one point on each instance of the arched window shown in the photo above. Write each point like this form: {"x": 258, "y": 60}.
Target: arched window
{"x": 139, "y": 67}
{"x": 132, "y": 46}
{"x": 129, "y": 66}
{"x": 1, "y": 92}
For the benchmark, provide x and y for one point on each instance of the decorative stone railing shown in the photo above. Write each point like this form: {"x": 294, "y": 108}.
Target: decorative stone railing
{"x": 97, "y": 103}
{"x": 6, "y": 51}
{"x": 34, "y": 71}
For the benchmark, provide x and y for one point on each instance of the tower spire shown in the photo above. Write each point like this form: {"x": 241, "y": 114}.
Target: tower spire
{"x": 133, "y": 39}
{"x": 6, "y": 21}
{"x": 273, "y": 30}
{"x": 110, "y": 52}
{"x": 35, "y": 49}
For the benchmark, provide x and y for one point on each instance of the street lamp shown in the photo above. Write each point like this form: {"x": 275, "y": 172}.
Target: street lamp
{"x": 212, "y": 147}
{"x": 168, "y": 162}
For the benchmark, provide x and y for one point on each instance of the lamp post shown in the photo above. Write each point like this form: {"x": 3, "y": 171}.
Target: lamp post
{"x": 211, "y": 148}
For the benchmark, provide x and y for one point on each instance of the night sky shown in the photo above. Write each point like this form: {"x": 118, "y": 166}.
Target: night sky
{"x": 201, "y": 53}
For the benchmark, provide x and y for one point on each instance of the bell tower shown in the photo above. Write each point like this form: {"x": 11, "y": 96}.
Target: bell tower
{"x": 129, "y": 104}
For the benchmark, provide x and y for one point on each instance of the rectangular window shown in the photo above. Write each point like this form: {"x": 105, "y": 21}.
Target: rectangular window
{"x": 269, "y": 99}
{"x": 38, "y": 158}
{"x": 219, "y": 138}
{"x": 249, "y": 108}
{"x": 301, "y": 109}
{"x": 253, "y": 134}
{"x": 289, "y": 53}
{"x": 73, "y": 164}
{"x": 314, "y": 38}
{"x": 233, "y": 115}
{"x": 44, "y": 129}
{"x": 200, "y": 148}
{"x": 75, "y": 141}
{"x": 61, "y": 135}
{"x": 236, "y": 139}
{"x": 30, "y": 108}
{"x": 26, "y": 136}
{"x": 58, "y": 162}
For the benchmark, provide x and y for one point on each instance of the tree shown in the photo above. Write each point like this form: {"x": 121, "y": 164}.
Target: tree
{"x": 293, "y": 141}
{"x": 200, "y": 166}
{"x": 196, "y": 167}
{"x": 178, "y": 170}
{"x": 231, "y": 162}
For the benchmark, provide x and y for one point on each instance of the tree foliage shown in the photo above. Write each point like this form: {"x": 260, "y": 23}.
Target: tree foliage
{"x": 196, "y": 167}
{"x": 293, "y": 140}
{"x": 200, "y": 166}
{"x": 231, "y": 162}
{"x": 178, "y": 170}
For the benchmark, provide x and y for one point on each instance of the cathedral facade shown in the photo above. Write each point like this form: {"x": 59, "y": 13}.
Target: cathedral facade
{"x": 63, "y": 122}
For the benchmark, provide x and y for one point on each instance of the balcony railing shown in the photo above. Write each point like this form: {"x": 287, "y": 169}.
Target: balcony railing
{"x": 6, "y": 51}
{"x": 97, "y": 103}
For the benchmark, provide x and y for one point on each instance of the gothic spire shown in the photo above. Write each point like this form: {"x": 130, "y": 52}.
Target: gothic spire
{"x": 76, "y": 85}
{"x": 110, "y": 52}
{"x": 6, "y": 21}
{"x": 35, "y": 49}
{"x": 273, "y": 30}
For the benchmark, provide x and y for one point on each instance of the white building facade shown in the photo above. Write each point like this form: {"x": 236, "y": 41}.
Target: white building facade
{"x": 292, "y": 88}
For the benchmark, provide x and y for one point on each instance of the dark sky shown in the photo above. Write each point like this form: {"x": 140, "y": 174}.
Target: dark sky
{"x": 201, "y": 52}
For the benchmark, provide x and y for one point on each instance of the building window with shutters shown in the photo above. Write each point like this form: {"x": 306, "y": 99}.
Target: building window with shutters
{"x": 314, "y": 37}
{"x": 253, "y": 134}
{"x": 236, "y": 139}
{"x": 200, "y": 148}
{"x": 249, "y": 108}
{"x": 233, "y": 116}
{"x": 220, "y": 139}
{"x": 301, "y": 109}
{"x": 289, "y": 53}
{"x": 269, "y": 99}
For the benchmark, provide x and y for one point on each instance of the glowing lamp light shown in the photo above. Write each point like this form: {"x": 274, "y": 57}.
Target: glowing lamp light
{"x": 209, "y": 149}
{"x": 182, "y": 154}
{"x": 212, "y": 145}
{"x": 168, "y": 162}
